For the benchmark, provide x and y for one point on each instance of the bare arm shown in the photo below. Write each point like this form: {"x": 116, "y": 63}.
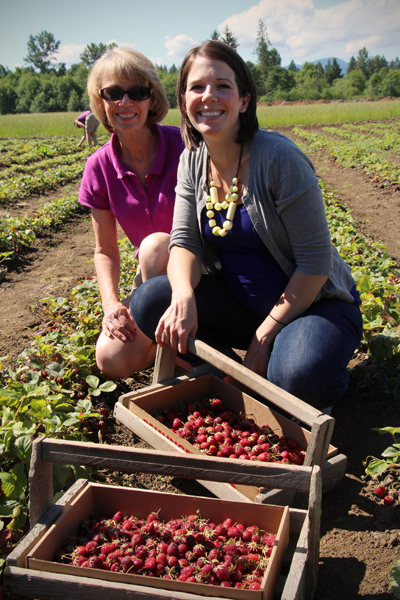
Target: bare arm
{"x": 299, "y": 294}
{"x": 118, "y": 321}
{"x": 180, "y": 320}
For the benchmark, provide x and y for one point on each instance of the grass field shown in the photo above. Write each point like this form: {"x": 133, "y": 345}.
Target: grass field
{"x": 56, "y": 124}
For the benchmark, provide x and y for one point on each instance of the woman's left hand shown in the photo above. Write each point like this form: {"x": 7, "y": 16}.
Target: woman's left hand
{"x": 257, "y": 356}
{"x": 177, "y": 323}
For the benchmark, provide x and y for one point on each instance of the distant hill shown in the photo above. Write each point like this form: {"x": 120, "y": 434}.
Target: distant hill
{"x": 342, "y": 63}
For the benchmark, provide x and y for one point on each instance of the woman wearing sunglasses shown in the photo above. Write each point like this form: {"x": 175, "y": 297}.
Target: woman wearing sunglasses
{"x": 130, "y": 180}
{"x": 249, "y": 207}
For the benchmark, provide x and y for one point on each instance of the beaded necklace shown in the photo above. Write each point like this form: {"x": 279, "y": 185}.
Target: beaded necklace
{"x": 229, "y": 204}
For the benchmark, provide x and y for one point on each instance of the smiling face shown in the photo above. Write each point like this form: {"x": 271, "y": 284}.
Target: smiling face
{"x": 125, "y": 114}
{"x": 212, "y": 100}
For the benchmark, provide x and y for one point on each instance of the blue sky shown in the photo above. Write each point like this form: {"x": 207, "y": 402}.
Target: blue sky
{"x": 164, "y": 30}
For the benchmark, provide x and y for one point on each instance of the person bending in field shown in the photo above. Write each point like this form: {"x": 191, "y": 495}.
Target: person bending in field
{"x": 130, "y": 180}
{"x": 248, "y": 207}
{"x": 89, "y": 123}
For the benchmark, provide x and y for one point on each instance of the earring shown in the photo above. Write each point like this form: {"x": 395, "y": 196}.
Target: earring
{"x": 243, "y": 109}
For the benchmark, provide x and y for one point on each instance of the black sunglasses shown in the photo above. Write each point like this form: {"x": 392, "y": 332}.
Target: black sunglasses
{"x": 136, "y": 92}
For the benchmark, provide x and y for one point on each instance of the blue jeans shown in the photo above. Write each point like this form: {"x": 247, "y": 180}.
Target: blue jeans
{"x": 309, "y": 357}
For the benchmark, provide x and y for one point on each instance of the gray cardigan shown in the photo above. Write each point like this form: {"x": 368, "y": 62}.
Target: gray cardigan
{"x": 284, "y": 203}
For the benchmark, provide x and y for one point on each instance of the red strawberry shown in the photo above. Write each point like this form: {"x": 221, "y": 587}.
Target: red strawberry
{"x": 222, "y": 573}
{"x": 388, "y": 500}
{"x": 380, "y": 491}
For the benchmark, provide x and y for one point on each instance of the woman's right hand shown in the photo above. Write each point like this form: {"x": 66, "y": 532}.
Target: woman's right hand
{"x": 119, "y": 324}
{"x": 177, "y": 323}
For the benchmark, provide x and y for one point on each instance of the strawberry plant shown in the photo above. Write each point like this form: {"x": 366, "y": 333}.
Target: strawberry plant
{"x": 386, "y": 468}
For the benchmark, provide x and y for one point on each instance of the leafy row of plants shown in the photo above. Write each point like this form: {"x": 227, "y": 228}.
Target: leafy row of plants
{"x": 390, "y": 140}
{"x": 21, "y": 186}
{"x": 17, "y": 232}
{"x": 48, "y": 164}
{"x": 15, "y": 151}
{"x": 48, "y": 390}
{"x": 379, "y": 169}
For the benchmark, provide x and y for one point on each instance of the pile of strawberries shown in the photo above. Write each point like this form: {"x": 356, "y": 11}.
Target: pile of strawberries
{"x": 217, "y": 431}
{"x": 188, "y": 549}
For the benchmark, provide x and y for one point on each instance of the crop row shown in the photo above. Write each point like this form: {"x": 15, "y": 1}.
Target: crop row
{"x": 21, "y": 186}
{"x": 390, "y": 141}
{"x": 25, "y": 151}
{"x": 16, "y": 232}
{"x": 48, "y": 390}
{"x": 369, "y": 163}
{"x": 48, "y": 164}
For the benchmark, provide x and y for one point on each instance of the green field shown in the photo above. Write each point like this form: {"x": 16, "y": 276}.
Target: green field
{"x": 56, "y": 124}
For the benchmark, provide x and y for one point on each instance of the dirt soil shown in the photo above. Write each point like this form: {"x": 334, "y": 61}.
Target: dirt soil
{"x": 360, "y": 537}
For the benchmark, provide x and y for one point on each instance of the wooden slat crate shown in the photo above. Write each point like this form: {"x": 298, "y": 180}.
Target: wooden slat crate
{"x": 130, "y": 410}
{"x": 301, "y": 564}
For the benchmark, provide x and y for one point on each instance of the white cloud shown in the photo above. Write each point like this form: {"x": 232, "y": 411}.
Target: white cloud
{"x": 69, "y": 53}
{"x": 297, "y": 29}
{"x": 179, "y": 45}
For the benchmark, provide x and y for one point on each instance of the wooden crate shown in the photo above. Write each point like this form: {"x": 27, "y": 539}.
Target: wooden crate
{"x": 20, "y": 580}
{"x": 133, "y": 410}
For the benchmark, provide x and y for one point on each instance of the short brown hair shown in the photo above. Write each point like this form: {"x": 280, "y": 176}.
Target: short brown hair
{"x": 129, "y": 65}
{"x": 245, "y": 82}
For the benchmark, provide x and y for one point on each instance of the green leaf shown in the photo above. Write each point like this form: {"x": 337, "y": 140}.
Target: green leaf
{"x": 8, "y": 485}
{"x": 55, "y": 369}
{"x": 96, "y": 392}
{"x": 93, "y": 381}
{"x": 37, "y": 406}
{"x": 392, "y": 430}
{"x": 23, "y": 448}
{"x": 395, "y": 579}
{"x": 108, "y": 386}
{"x": 376, "y": 467}
{"x": 390, "y": 452}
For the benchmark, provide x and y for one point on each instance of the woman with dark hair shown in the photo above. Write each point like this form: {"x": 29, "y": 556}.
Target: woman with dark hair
{"x": 130, "y": 180}
{"x": 249, "y": 208}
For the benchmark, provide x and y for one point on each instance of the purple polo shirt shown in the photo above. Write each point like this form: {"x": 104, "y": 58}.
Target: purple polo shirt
{"x": 107, "y": 184}
{"x": 82, "y": 116}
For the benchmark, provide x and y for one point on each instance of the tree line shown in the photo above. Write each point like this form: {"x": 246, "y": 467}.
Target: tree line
{"x": 44, "y": 85}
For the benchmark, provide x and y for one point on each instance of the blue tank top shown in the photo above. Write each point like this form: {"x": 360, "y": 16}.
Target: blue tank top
{"x": 248, "y": 268}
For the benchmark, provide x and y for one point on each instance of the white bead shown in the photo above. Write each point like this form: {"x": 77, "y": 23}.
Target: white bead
{"x": 210, "y": 214}
{"x": 228, "y": 198}
{"x": 216, "y": 230}
{"x": 208, "y": 198}
{"x": 235, "y": 188}
{"x": 230, "y": 213}
{"x": 223, "y": 233}
{"x": 218, "y": 206}
{"x": 212, "y": 222}
{"x": 209, "y": 205}
{"x": 234, "y": 197}
{"x": 212, "y": 183}
{"x": 214, "y": 195}
{"x": 224, "y": 205}
{"x": 227, "y": 225}
{"x": 234, "y": 181}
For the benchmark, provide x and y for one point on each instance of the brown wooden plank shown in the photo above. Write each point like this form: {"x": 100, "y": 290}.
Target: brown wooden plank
{"x": 294, "y": 406}
{"x": 17, "y": 557}
{"x": 40, "y": 483}
{"x": 57, "y": 586}
{"x": 164, "y": 364}
{"x": 333, "y": 472}
{"x": 318, "y": 445}
{"x": 254, "y": 473}
{"x": 314, "y": 531}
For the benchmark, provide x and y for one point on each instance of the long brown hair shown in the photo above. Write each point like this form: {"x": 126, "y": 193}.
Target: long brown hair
{"x": 245, "y": 82}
